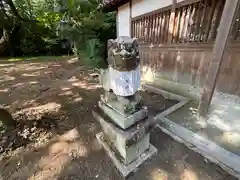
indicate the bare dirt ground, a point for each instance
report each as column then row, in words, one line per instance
column 55, row 135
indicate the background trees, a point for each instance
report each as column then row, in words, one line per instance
column 53, row 27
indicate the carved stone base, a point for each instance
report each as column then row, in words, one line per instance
column 127, row 144
column 125, row 170
column 123, row 120
column 124, row 105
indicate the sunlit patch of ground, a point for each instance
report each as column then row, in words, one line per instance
column 33, row 58
column 55, row 138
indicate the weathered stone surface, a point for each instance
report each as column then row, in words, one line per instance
column 123, row 121
column 123, row 53
column 123, row 118
column 132, row 134
column 127, row 154
column 123, row 105
column 128, row 143
column 125, row 170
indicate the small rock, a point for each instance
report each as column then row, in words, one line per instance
column 33, row 129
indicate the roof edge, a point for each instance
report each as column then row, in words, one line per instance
column 111, row 5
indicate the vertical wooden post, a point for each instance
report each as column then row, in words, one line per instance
column 171, row 22
column 154, row 34
column 197, row 24
column 226, row 23
column 209, row 21
column 158, row 28
column 117, row 24
column 130, row 19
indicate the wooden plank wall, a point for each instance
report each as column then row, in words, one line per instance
column 188, row 64
column 228, row 79
column 183, row 64
column 196, row 22
column 183, row 56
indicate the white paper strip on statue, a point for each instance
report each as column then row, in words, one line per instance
column 125, row 83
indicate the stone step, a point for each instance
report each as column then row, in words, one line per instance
column 123, row 122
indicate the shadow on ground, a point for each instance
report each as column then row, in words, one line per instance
column 67, row 148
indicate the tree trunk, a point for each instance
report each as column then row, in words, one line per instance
column 16, row 13
column 4, row 42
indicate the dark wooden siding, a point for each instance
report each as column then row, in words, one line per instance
column 188, row 64
column 196, row 22
column 184, row 55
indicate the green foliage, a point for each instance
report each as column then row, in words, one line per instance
column 88, row 28
column 91, row 53
column 54, row 26
column 38, row 37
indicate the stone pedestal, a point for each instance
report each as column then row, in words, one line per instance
column 124, row 120
column 127, row 148
column 126, row 170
